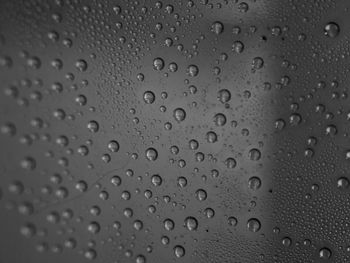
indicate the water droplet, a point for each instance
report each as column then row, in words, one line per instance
column 179, row 114
column 113, row 146
column 151, row 154
column 192, row 70
column 257, row 63
column 230, row 163
column 179, row 251
column 201, row 194
column 81, row 65
column 156, row 180
column 253, row 225
column 219, row 119
column 93, row 126
column 325, row 253
column 158, row 63
column 331, row 29
column 238, row 47
column 94, row 227
column 169, row 224
column 224, row 95
column 343, row 183
column 232, row 221
column 149, row 97
column 217, row 27
column 254, row 154
column 191, row 223
column 254, row 183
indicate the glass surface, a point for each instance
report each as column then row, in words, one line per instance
column 196, row 131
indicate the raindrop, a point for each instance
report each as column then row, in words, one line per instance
column 179, row 114
column 81, row 65
column 343, row 183
column 217, row 27
column 254, row 154
column 254, row 183
column 192, row 70
column 149, row 97
column 151, row 154
column 179, row 251
column 325, row 253
column 253, row 225
column 158, row 63
column 331, row 30
column 191, row 223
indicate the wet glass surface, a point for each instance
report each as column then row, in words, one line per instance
column 174, row 131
